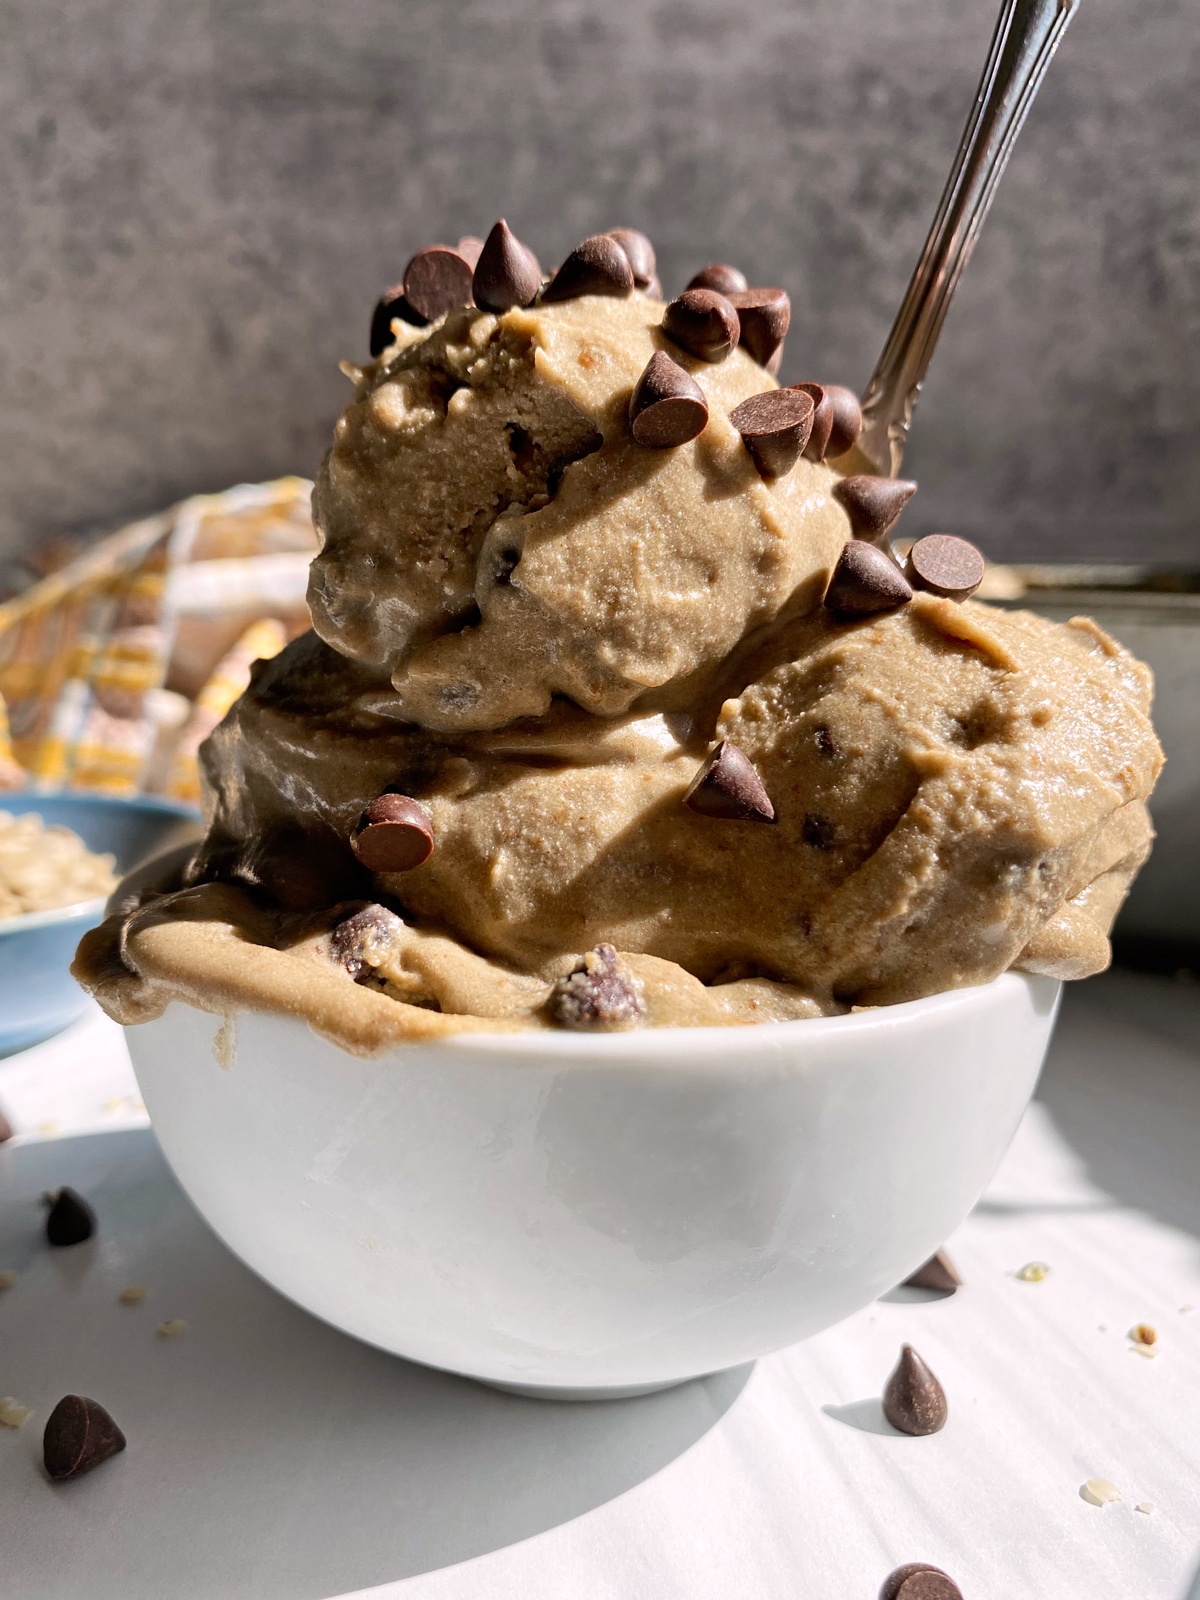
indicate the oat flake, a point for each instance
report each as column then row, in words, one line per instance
column 1099, row 1492
column 13, row 1413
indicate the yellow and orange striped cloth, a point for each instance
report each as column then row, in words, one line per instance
column 114, row 669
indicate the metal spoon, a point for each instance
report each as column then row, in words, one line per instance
column 1027, row 35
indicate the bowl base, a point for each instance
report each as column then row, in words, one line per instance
column 535, row 1391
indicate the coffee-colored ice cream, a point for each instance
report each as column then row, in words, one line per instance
column 493, row 535
column 643, row 768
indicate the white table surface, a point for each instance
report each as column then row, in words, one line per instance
column 272, row 1458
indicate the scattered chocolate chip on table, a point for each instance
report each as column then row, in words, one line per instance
column 79, row 1436
column 70, row 1219
column 913, row 1399
column 939, row 1272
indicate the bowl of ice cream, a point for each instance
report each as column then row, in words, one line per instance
column 628, row 926
column 594, row 1215
column 60, row 855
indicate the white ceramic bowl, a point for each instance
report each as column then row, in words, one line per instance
column 596, row 1215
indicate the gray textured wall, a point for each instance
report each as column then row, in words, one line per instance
column 201, row 199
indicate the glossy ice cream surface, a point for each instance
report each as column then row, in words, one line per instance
column 539, row 629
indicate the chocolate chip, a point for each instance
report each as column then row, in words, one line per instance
column 822, row 422
column 826, row 743
column 764, row 315
column 720, row 276
column 597, row 266
column 667, row 407
column 873, row 504
column 774, row 427
column 640, row 253
column 913, row 1400
column 728, row 786
column 507, row 273
column 818, row 831
column 936, row 1273
column 895, row 1584
column 70, row 1219
column 391, row 305
column 437, row 280
column 469, row 248
column 368, row 932
column 929, row 1584
column 703, row 323
column 393, row 834
column 847, row 419
column 837, row 420
column 597, row 996
column 652, row 290
column 945, row 565
column 79, row 1435
column 866, row 580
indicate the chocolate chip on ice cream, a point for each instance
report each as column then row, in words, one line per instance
column 945, row 565
column 640, row 252
column 597, row 266
column 774, row 427
column 847, row 419
column 470, row 248
column 837, row 420
column 79, row 1436
column 667, row 407
column 720, row 276
column 393, row 834
column 873, row 504
column 865, row 581
column 597, row 996
column 437, row 280
column 703, row 323
column 764, row 316
column 391, row 306
column 727, row 786
column 359, row 941
column 507, row 273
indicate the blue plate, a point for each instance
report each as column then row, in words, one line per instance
column 38, row 995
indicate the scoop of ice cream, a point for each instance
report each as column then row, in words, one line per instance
column 953, row 786
column 493, row 535
column 588, row 625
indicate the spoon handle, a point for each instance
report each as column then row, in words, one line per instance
column 1026, row 37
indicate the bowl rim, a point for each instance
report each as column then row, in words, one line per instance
column 710, row 1041
column 702, row 1047
column 30, row 798
column 27, row 921
column 636, row 1043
